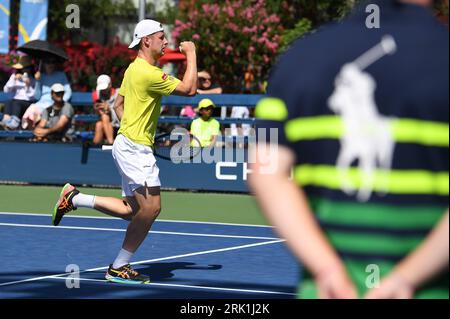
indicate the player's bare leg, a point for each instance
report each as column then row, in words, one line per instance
column 70, row 199
column 112, row 206
column 148, row 203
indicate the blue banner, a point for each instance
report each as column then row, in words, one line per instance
column 33, row 20
column 4, row 26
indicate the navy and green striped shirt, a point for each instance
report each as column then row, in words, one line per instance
column 368, row 122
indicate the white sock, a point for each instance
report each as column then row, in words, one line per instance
column 123, row 258
column 82, row 200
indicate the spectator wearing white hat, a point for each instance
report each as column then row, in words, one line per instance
column 56, row 119
column 52, row 73
column 104, row 98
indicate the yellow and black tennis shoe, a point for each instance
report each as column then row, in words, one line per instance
column 126, row 275
column 64, row 203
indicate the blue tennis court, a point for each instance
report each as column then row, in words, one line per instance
column 183, row 259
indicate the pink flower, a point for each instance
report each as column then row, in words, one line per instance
column 271, row 46
column 274, row 18
column 250, row 30
column 196, row 37
column 228, row 49
column 215, row 9
column 232, row 26
column 230, row 11
column 262, row 40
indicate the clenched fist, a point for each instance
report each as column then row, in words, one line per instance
column 187, row 47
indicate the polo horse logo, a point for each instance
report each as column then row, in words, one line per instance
column 367, row 136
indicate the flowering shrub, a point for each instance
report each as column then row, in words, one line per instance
column 232, row 37
column 87, row 61
column 6, row 63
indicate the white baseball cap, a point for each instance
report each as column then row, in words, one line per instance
column 103, row 82
column 57, row 87
column 144, row 28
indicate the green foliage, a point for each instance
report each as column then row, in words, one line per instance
column 237, row 37
column 301, row 28
column 232, row 37
column 442, row 8
column 93, row 14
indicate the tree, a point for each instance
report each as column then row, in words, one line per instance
column 235, row 37
column 94, row 14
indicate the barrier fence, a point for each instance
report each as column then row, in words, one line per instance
column 49, row 163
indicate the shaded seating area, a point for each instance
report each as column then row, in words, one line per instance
column 82, row 102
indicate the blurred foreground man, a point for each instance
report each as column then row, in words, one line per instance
column 364, row 125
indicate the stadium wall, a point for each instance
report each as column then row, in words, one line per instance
column 56, row 164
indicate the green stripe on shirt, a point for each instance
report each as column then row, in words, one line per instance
column 376, row 215
column 403, row 130
column 393, row 182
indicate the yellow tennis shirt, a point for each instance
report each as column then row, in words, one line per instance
column 205, row 130
column 142, row 88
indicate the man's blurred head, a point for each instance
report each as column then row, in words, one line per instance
column 104, row 86
column 204, row 80
column 57, row 93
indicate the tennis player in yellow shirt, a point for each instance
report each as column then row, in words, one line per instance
column 138, row 107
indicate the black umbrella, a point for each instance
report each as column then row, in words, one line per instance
column 43, row 50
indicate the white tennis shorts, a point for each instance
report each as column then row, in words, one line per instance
column 136, row 164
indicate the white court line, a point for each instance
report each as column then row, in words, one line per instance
column 158, row 220
column 188, row 286
column 149, row 261
column 124, row 230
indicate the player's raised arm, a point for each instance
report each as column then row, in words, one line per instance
column 188, row 86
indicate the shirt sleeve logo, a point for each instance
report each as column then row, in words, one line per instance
column 164, row 76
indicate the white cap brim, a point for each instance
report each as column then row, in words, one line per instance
column 102, row 86
column 134, row 43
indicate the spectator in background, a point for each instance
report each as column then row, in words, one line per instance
column 240, row 130
column 56, row 119
column 104, row 98
column 22, row 85
column 188, row 111
column 206, row 128
column 206, row 85
column 50, row 76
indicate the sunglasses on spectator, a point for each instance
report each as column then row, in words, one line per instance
column 204, row 79
column 58, row 93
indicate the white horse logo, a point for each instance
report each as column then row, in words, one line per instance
column 367, row 135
